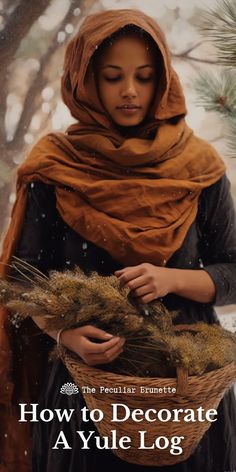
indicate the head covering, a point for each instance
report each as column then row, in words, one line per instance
column 80, row 95
column 137, row 196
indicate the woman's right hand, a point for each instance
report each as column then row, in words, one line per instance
column 79, row 341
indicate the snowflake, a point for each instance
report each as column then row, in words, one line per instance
column 69, row 388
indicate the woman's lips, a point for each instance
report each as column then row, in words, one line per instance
column 129, row 109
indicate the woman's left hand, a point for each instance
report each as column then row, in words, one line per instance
column 148, row 282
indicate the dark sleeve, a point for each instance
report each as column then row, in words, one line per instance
column 41, row 234
column 218, row 242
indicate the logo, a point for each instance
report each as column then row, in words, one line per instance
column 69, row 388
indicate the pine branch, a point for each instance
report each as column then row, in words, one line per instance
column 194, row 59
column 216, row 92
column 220, row 26
column 186, row 55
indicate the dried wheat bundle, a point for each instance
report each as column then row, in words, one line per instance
column 153, row 348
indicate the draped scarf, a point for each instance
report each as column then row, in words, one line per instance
column 135, row 196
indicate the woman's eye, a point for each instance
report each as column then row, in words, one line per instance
column 145, row 79
column 140, row 79
column 112, row 79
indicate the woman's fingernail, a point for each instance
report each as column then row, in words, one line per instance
column 108, row 336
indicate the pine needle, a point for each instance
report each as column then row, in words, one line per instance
column 219, row 26
column 217, row 92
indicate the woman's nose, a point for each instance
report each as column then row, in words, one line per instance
column 129, row 90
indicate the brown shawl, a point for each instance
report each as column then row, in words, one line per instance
column 136, row 197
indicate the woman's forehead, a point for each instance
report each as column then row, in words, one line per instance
column 134, row 48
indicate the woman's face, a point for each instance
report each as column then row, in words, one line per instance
column 126, row 78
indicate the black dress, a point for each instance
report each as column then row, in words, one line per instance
column 49, row 243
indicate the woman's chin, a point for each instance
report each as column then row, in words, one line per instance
column 128, row 122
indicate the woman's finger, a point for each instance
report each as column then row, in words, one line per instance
column 98, row 348
column 93, row 332
column 111, row 349
column 104, row 359
column 114, row 355
column 136, row 283
column 128, row 277
column 129, row 273
column 139, row 292
column 119, row 272
column 148, row 298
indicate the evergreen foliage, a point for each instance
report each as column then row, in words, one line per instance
column 217, row 90
column 219, row 25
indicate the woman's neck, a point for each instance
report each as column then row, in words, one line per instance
column 144, row 130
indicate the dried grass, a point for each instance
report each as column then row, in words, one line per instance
column 152, row 349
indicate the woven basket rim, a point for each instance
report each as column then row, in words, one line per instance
column 121, row 377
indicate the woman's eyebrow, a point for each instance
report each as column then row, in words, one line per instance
column 118, row 67
column 146, row 65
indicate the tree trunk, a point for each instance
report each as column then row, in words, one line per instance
column 16, row 147
column 18, row 25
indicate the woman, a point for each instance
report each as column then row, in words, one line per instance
column 127, row 190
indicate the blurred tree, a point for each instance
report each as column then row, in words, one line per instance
column 18, row 20
column 21, row 32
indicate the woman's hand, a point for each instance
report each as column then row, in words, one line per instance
column 147, row 282
column 79, row 341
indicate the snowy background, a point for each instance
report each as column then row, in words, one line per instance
column 33, row 43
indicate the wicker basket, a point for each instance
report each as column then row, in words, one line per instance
column 192, row 392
